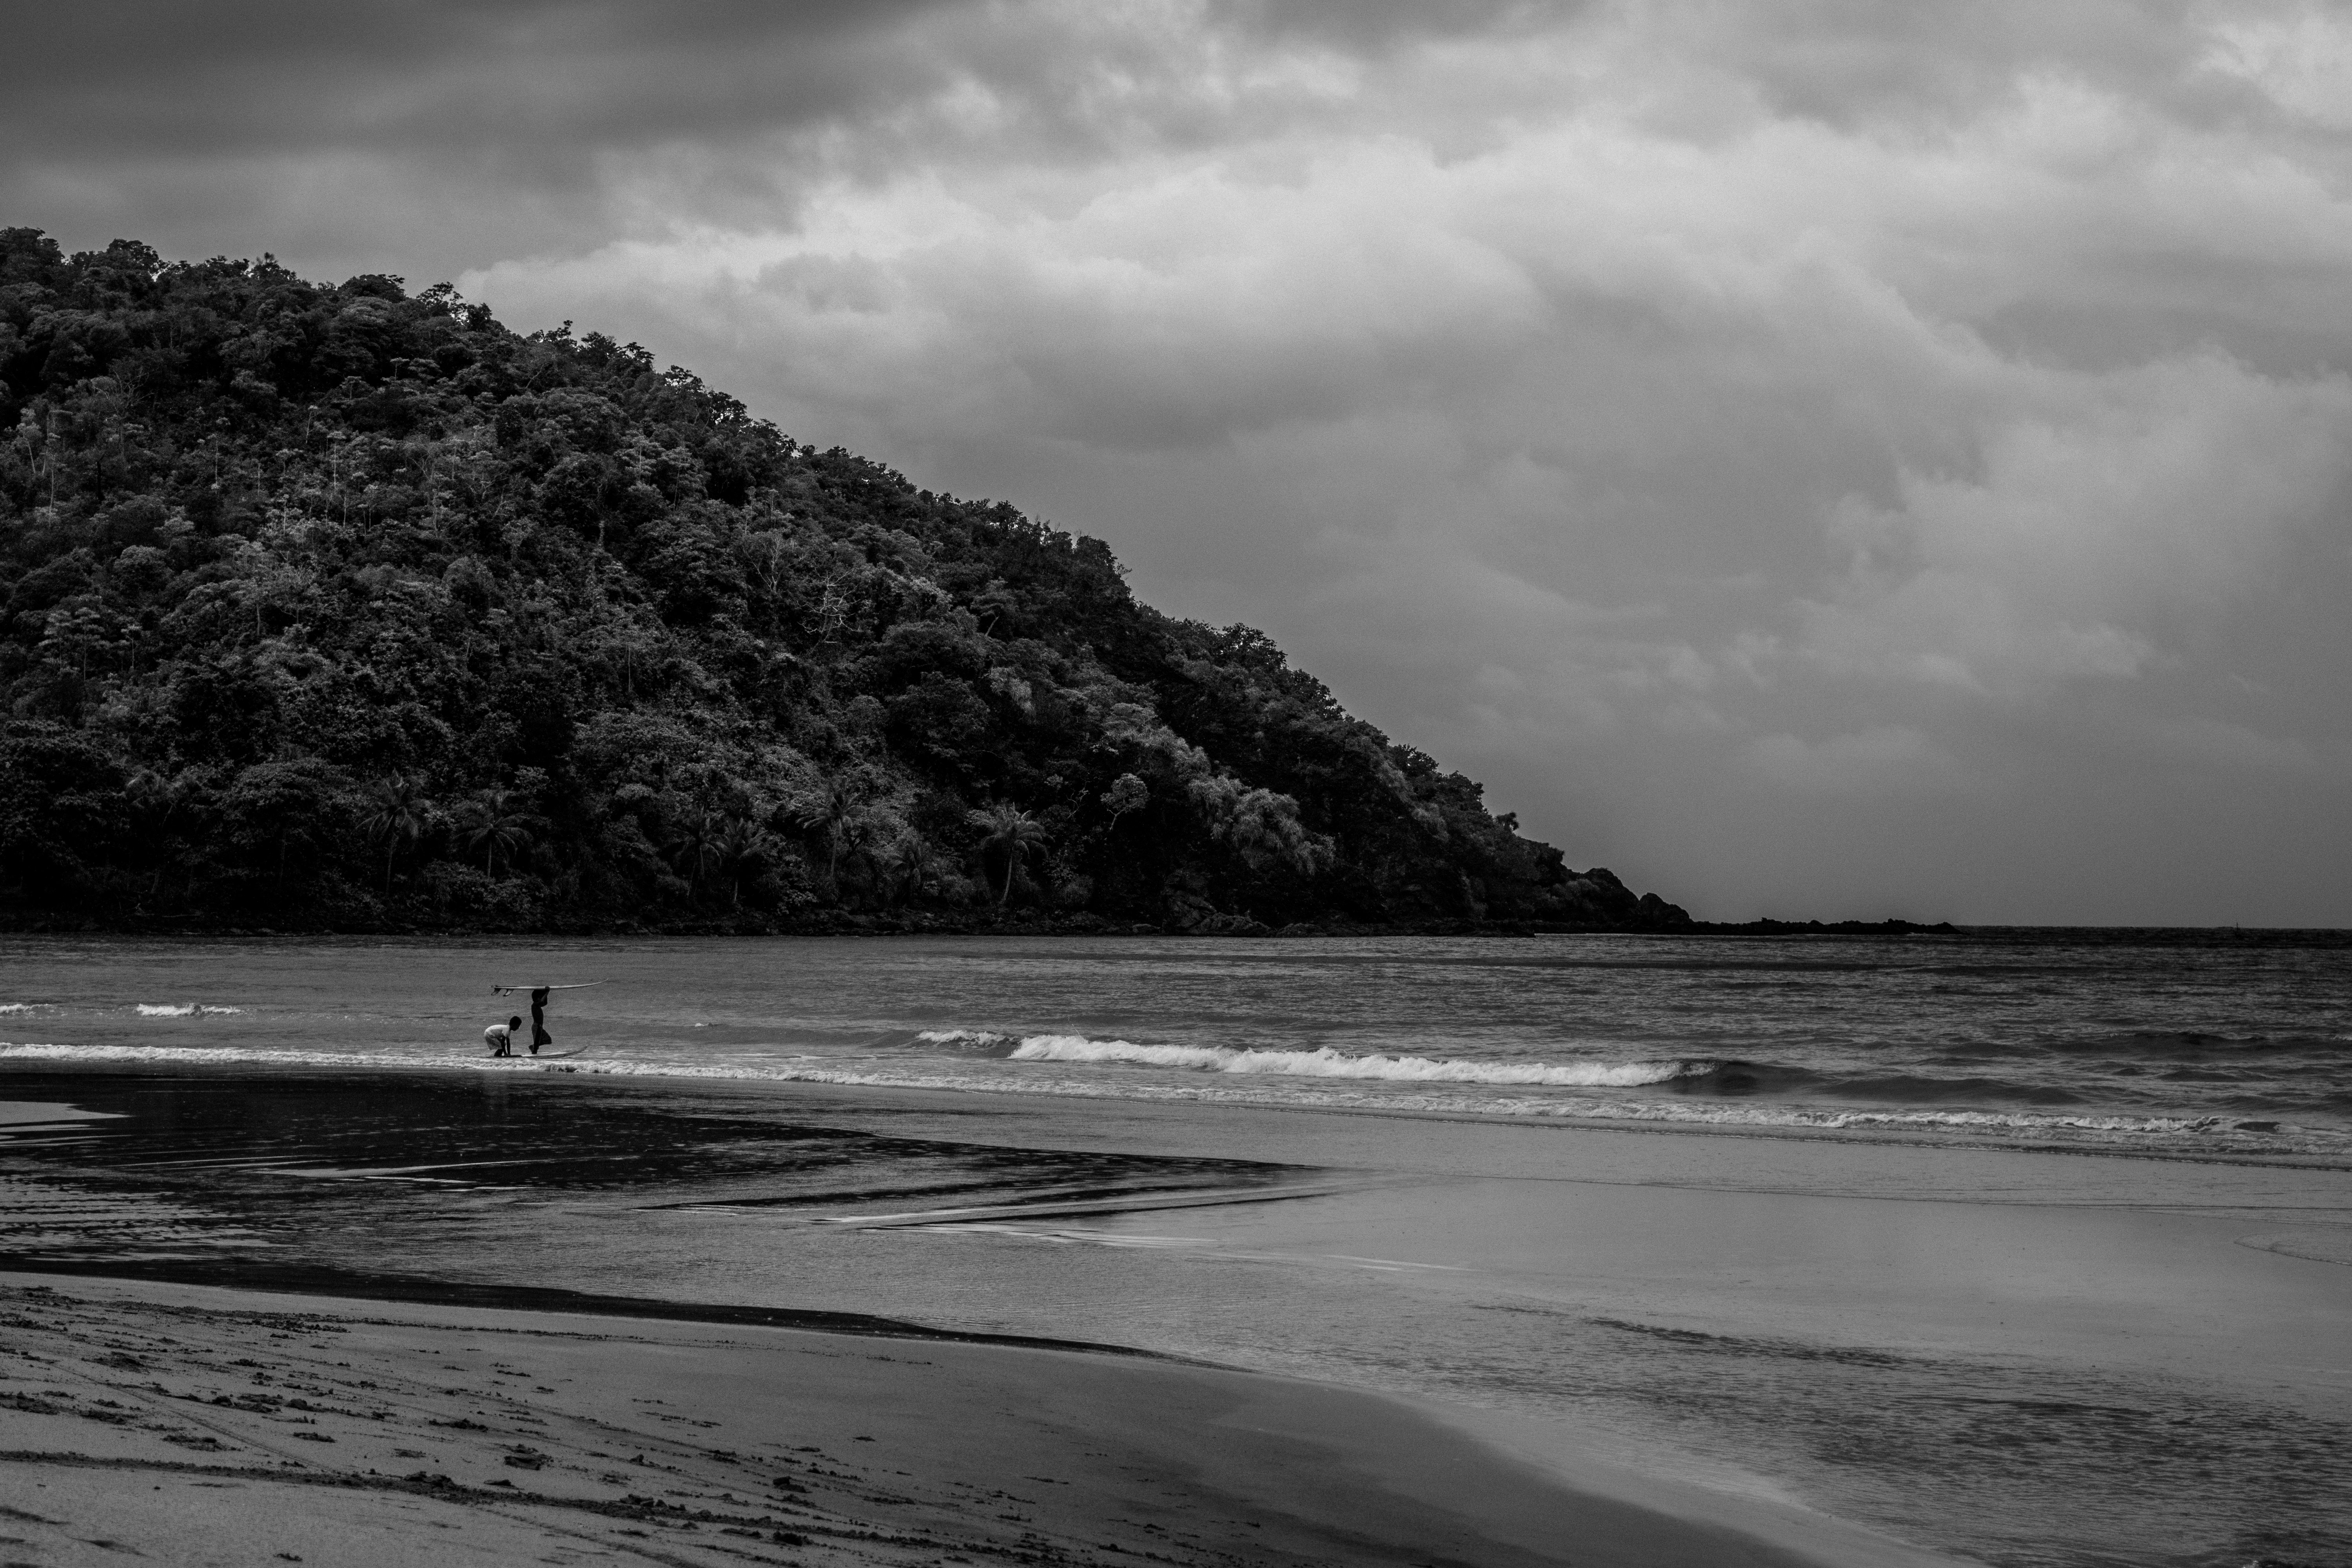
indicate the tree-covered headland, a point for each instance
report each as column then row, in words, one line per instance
column 343, row 607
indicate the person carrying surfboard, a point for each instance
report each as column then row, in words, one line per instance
column 538, row 998
column 501, row 1037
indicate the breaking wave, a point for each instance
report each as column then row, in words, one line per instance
column 1328, row 1063
column 181, row 1009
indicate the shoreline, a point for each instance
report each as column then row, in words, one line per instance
column 127, row 1401
column 575, row 1069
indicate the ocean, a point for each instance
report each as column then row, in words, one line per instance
column 2032, row 1249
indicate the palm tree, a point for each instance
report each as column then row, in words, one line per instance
column 1009, row 831
column 399, row 812
column 831, row 816
column 740, row 845
column 908, row 857
column 493, row 822
column 155, row 799
column 696, row 842
column 870, row 829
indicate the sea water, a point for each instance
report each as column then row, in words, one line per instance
column 2215, row 1046
column 2031, row 1249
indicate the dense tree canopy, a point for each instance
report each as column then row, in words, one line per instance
column 349, row 607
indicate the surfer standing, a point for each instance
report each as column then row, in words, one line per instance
column 501, row 1038
column 538, row 1035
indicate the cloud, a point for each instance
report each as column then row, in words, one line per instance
column 2099, row 504
column 1889, row 757
column 2204, row 740
column 344, row 135
column 274, row 77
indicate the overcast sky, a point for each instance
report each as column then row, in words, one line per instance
column 1818, row 457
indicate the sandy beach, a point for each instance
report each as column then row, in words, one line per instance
column 202, row 1426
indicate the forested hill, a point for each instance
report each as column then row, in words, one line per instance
column 348, row 608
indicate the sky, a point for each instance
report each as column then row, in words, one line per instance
column 1819, row 458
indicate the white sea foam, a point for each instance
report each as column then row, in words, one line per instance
column 1080, row 1049
column 17, row 1006
column 963, row 1038
column 1752, row 1115
column 181, row 1009
column 1328, row 1063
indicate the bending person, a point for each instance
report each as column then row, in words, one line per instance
column 501, row 1037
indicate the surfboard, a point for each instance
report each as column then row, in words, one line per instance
column 575, row 986
column 556, row 1055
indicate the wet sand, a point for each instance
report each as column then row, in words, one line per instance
column 199, row 1426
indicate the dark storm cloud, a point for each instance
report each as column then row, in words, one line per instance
column 169, row 80
column 334, row 134
column 433, row 137
column 567, row 77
